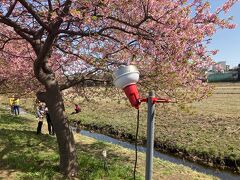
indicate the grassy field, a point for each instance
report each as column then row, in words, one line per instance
column 225, row 101
column 209, row 132
column 25, row 155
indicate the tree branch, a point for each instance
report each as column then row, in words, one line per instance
column 34, row 14
column 23, row 32
column 100, row 32
column 9, row 22
column 75, row 82
column 70, row 83
column 66, row 8
column 11, row 8
column 50, row 5
column 8, row 40
column 41, row 96
column 41, row 69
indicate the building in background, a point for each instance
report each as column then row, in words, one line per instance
column 220, row 66
column 221, row 72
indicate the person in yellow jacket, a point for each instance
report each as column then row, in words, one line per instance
column 16, row 103
column 11, row 99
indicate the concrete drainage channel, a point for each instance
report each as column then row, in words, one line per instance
column 222, row 174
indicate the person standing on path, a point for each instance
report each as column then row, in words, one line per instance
column 40, row 115
column 11, row 99
column 50, row 124
column 16, row 103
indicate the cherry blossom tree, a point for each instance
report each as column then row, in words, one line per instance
column 48, row 46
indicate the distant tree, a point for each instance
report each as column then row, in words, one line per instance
column 47, row 46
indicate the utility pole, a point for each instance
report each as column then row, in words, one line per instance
column 150, row 136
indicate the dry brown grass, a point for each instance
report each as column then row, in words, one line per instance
column 225, row 101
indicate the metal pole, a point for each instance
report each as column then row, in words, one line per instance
column 150, row 136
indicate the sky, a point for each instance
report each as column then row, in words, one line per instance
column 227, row 41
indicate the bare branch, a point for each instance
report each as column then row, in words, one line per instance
column 83, row 80
column 66, row 8
column 8, row 40
column 50, row 5
column 50, row 10
column 34, row 14
column 11, row 8
column 41, row 69
column 9, row 22
column 100, row 32
column 70, row 83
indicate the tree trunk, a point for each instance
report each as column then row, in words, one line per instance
column 65, row 139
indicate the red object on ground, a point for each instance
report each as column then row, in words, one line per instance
column 131, row 92
column 77, row 108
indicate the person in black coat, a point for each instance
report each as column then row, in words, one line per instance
column 49, row 122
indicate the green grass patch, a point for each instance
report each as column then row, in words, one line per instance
column 26, row 155
column 36, row 156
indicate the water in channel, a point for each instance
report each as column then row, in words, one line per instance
column 222, row 174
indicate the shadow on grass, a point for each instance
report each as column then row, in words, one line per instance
column 36, row 156
column 24, row 151
column 93, row 165
column 6, row 118
column 96, row 149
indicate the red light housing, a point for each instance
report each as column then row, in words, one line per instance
column 131, row 92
